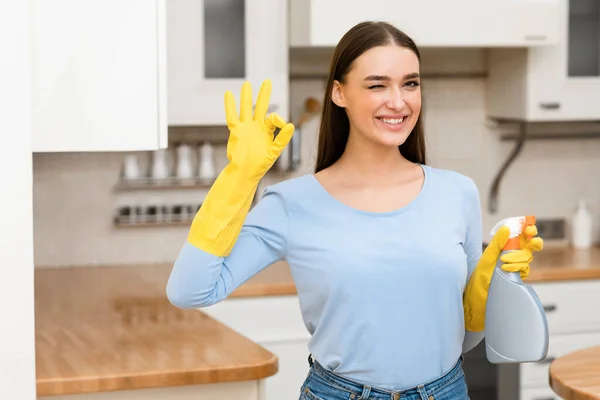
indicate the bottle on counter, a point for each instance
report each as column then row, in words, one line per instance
column 581, row 227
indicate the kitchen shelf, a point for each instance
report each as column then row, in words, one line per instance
column 151, row 224
column 155, row 216
column 167, row 183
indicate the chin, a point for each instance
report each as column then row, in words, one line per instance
column 393, row 135
column 392, row 139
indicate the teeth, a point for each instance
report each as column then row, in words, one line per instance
column 392, row 121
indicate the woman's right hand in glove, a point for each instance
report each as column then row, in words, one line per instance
column 251, row 146
column 252, row 149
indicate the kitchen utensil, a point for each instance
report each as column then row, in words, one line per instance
column 206, row 164
column 184, row 162
column 160, row 164
column 131, row 167
column 290, row 157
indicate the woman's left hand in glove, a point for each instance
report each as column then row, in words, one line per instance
column 476, row 291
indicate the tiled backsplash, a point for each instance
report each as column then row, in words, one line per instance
column 74, row 200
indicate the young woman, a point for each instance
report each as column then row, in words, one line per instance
column 384, row 250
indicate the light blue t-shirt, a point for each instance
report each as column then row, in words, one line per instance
column 380, row 293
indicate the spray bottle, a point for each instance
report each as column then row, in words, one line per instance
column 516, row 329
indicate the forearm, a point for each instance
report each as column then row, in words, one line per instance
column 219, row 221
column 475, row 299
column 200, row 279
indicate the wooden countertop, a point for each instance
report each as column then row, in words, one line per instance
column 275, row 280
column 576, row 376
column 109, row 328
column 112, row 328
column 551, row 264
column 564, row 264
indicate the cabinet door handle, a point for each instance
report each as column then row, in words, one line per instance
column 550, row 106
column 550, row 307
column 535, row 37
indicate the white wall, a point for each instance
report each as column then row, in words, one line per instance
column 74, row 199
column 17, row 346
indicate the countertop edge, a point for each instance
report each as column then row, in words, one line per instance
column 207, row 375
column 574, row 275
column 538, row 277
column 265, row 290
column 562, row 387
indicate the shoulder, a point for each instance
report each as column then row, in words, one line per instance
column 277, row 201
column 453, row 181
column 292, row 189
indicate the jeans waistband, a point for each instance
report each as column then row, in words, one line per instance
column 358, row 387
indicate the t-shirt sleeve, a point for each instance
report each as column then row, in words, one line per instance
column 199, row 279
column 474, row 231
column 473, row 249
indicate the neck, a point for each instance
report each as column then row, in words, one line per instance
column 366, row 161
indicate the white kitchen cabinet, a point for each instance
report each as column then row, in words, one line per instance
column 17, row 306
column 293, row 369
column 214, row 46
column 538, row 394
column 245, row 390
column 574, row 324
column 431, row 23
column 274, row 322
column 556, row 83
column 98, row 75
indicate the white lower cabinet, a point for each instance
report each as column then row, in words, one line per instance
column 574, row 324
column 536, row 374
column 293, row 368
column 538, row 394
column 274, row 322
column 248, row 390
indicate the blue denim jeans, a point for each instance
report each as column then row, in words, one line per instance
column 321, row 384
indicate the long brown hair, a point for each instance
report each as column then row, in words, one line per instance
column 335, row 127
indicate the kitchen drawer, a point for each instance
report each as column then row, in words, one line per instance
column 265, row 319
column 536, row 374
column 538, row 394
column 571, row 307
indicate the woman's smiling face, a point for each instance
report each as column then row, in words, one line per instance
column 381, row 94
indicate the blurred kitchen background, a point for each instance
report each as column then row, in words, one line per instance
column 511, row 99
column 77, row 195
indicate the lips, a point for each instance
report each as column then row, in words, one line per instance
column 393, row 122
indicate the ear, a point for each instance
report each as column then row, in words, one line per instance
column 337, row 95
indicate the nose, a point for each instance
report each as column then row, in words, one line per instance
column 395, row 101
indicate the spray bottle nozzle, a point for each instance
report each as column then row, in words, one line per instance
column 517, row 226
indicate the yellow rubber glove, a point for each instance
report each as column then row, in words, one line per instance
column 252, row 150
column 476, row 291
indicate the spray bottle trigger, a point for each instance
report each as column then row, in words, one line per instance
column 517, row 226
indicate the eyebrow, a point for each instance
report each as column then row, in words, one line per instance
column 412, row 75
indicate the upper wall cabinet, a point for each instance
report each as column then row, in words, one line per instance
column 431, row 23
column 98, row 75
column 214, row 46
column 558, row 83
